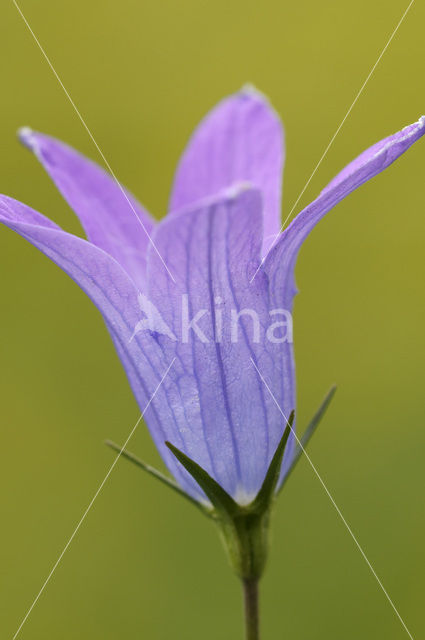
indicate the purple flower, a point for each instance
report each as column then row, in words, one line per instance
column 198, row 268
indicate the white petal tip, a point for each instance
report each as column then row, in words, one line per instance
column 26, row 136
column 415, row 126
column 250, row 91
column 235, row 190
column 413, row 131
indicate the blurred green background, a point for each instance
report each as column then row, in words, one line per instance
column 144, row 564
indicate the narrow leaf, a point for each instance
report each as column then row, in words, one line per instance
column 308, row 433
column 266, row 493
column 220, row 499
column 157, row 474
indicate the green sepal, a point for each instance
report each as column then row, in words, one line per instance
column 158, row 475
column 243, row 528
column 266, row 494
column 308, row 433
column 220, row 499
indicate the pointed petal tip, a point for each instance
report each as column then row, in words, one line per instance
column 399, row 142
column 417, row 127
column 243, row 190
column 230, row 193
column 27, row 137
column 24, row 133
column 421, row 124
column 249, row 90
column 235, row 190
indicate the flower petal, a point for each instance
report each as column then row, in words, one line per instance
column 230, row 424
column 240, row 140
column 116, row 296
column 280, row 262
column 111, row 217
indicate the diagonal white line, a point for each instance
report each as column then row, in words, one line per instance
column 46, row 582
column 331, row 498
column 83, row 122
column 332, row 140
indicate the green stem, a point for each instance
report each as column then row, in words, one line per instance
column 250, row 591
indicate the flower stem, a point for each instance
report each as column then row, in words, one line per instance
column 250, row 591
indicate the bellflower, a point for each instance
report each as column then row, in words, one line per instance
column 166, row 290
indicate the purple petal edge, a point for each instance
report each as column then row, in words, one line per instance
column 280, row 262
column 111, row 290
column 240, row 140
column 233, row 425
column 111, row 217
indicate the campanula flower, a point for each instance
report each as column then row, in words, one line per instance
column 210, row 288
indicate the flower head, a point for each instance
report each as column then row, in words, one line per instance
column 209, row 288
